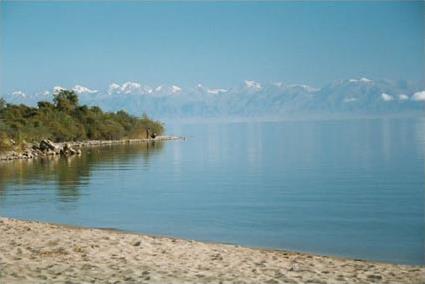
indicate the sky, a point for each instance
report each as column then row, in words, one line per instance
column 45, row 44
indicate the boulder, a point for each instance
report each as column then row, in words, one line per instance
column 67, row 150
column 46, row 145
column 27, row 154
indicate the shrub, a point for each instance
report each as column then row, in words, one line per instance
column 66, row 120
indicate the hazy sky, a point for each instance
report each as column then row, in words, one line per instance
column 215, row 43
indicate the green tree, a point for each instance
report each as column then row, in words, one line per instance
column 2, row 104
column 66, row 100
column 66, row 120
column 45, row 105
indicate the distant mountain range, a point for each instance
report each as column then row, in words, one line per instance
column 250, row 99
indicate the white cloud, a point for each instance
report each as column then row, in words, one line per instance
column 83, row 90
column 130, row 87
column 148, row 89
column 278, row 84
column 77, row 89
column 19, row 94
column 162, row 90
column 363, row 80
column 216, row 91
column 175, row 89
column 252, row 85
column 419, row 96
column 57, row 89
column 386, row 97
column 350, row 100
column 201, row 88
column 403, row 97
column 126, row 88
column 113, row 88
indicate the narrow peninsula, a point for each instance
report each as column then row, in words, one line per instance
column 65, row 126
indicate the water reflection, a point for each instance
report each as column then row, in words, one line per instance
column 71, row 173
column 356, row 186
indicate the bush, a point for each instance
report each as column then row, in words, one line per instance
column 66, row 120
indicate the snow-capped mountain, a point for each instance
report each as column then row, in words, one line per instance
column 248, row 99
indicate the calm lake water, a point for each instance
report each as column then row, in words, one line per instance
column 348, row 188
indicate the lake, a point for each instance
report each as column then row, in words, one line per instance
column 352, row 188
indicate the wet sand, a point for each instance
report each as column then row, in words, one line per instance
column 34, row 252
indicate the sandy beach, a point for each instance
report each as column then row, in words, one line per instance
column 34, row 252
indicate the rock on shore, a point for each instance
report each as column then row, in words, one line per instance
column 33, row 252
column 48, row 148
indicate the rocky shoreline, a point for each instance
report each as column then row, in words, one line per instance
column 47, row 148
column 35, row 252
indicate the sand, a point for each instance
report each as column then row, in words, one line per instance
column 34, row 252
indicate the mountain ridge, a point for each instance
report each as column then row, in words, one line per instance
column 248, row 99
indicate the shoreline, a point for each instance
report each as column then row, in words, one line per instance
column 269, row 249
column 33, row 251
column 72, row 147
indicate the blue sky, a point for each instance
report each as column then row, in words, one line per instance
column 215, row 43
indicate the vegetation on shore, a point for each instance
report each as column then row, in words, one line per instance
column 66, row 120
